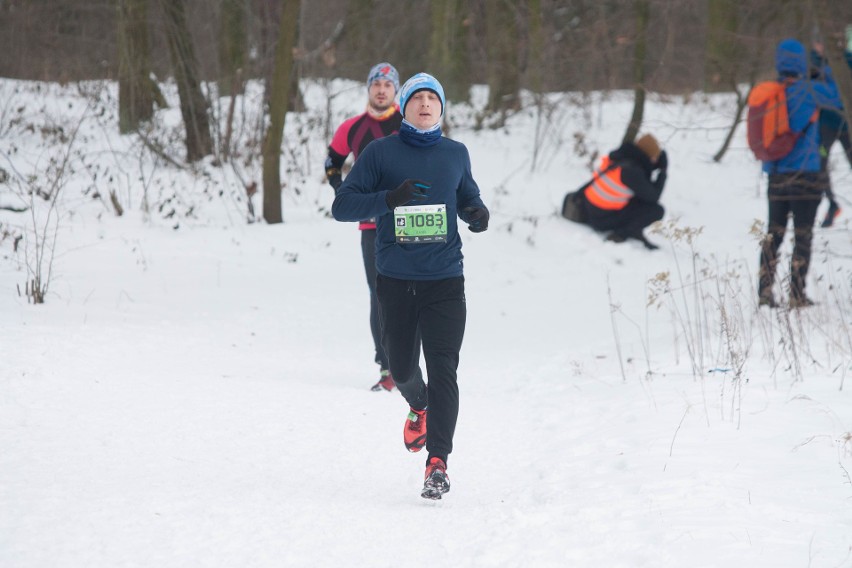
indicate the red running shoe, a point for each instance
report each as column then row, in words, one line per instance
column 414, row 432
column 437, row 482
column 832, row 214
column 385, row 383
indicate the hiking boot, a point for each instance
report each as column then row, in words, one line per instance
column 437, row 482
column 648, row 244
column 385, row 383
column 800, row 302
column 767, row 300
column 832, row 214
column 414, row 432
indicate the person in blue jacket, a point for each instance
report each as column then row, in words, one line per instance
column 832, row 125
column 796, row 184
column 417, row 184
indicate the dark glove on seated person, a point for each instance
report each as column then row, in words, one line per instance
column 407, row 190
column 476, row 218
column 663, row 161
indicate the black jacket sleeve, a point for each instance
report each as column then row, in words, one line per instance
column 333, row 164
column 636, row 178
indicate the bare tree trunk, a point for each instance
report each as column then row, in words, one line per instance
column 448, row 48
column 232, row 47
column 722, row 56
column 193, row 105
column 501, row 31
column 742, row 100
column 833, row 31
column 643, row 14
column 135, row 96
column 530, row 63
column 278, row 95
column 754, row 64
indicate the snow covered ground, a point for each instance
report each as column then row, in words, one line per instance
column 195, row 389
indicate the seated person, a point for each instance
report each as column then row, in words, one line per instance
column 622, row 197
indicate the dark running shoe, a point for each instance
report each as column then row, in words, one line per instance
column 800, row 302
column 414, row 432
column 437, row 482
column 767, row 299
column 648, row 244
column 832, row 214
column 385, row 383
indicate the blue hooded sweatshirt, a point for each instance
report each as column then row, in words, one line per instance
column 383, row 166
column 804, row 99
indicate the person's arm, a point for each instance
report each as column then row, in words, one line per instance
column 333, row 164
column 338, row 151
column 827, row 96
column 358, row 196
column 467, row 193
column 662, row 167
column 469, row 205
column 643, row 188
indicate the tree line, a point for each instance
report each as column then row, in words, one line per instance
column 667, row 46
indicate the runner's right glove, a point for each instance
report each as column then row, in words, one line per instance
column 407, row 190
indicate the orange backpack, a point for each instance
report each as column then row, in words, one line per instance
column 767, row 123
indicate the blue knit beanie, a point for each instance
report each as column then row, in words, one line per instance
column 384, row 71
column 420, row 82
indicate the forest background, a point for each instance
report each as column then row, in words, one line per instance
column 210, row 51
column 168, row 401
column 664, row 46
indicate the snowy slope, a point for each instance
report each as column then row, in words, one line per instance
column 199, row 396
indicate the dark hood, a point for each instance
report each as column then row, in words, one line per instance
column 630, row 152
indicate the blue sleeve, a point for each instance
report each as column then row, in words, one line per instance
column 826, row 95
column 827, row 73
column 804, row 98
column 358, row 197
column 467, row 194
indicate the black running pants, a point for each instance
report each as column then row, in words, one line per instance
column 368, row 253
column 435, row 308
column 796, row 196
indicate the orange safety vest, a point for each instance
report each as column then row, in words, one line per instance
column 607, row 191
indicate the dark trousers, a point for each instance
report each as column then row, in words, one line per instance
column 368, row 253
column 797, row 196
column 628, row 222
column 829, row 134
column 431, row 312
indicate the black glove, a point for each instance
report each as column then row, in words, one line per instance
column 407, row 190
column 333, row 163
column 660, row 182
column 334, row 178
column 663, row 161
column 476, row 218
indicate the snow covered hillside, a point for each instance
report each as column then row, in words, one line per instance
column 195, row 389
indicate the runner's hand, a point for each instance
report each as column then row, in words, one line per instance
column 408, row 190
column 476, row 218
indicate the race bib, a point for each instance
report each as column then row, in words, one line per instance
column 421, row 224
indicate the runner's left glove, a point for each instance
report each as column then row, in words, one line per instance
column 476, row 218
